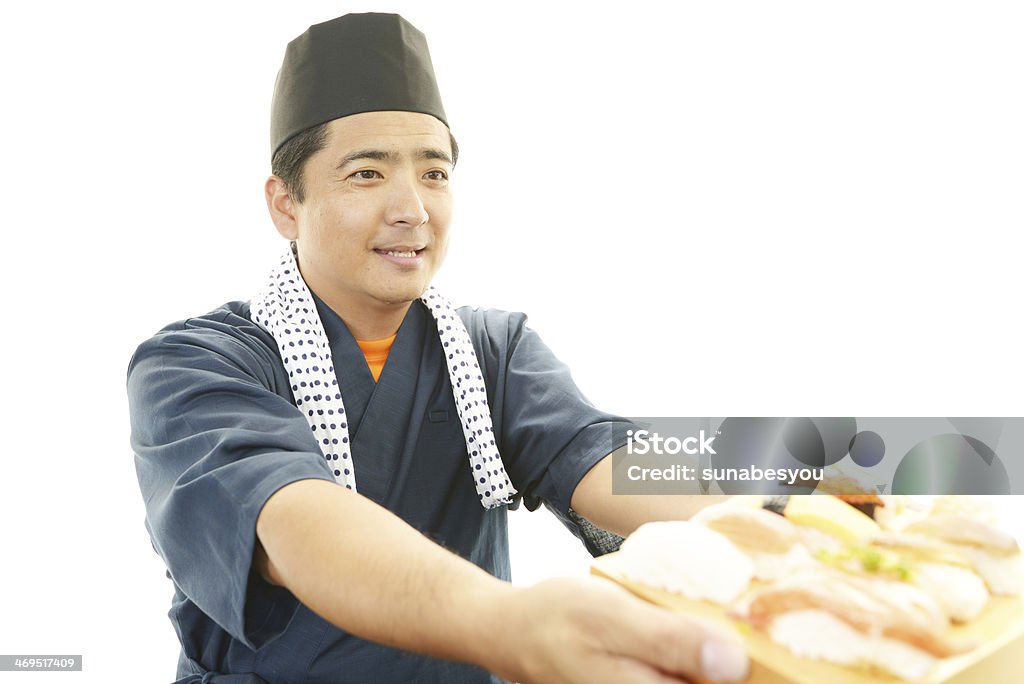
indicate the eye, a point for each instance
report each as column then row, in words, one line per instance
column 366, row 174
column 436, row 175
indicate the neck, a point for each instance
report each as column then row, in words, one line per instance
column 368, row 320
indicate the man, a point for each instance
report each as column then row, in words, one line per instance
column 327, row 468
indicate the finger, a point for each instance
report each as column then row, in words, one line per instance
column 676, row 643
column 623, row 670
column 634, row 671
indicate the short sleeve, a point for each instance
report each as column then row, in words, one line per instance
column 551, row 435
column 212, row 442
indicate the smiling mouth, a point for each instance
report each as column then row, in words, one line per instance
column 404, row 253
column 404, row 257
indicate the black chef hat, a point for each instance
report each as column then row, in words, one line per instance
column 352, row 64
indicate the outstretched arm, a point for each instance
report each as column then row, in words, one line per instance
column 365, row 570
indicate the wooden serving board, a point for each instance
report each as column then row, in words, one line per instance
column 998, row 659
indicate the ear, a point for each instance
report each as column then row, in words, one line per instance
column 281, row 208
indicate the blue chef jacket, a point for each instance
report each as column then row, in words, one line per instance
column 215, row 433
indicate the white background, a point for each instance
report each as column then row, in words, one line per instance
column 734, row 208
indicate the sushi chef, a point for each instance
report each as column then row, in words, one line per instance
column 327, row 467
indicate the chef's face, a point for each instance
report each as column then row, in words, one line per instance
column 373, row 227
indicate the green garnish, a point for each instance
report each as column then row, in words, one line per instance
column 869, row 559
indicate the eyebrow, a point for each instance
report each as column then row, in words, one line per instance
column 433, row 153
column 385, row 155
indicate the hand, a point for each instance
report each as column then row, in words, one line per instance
column 591, row 631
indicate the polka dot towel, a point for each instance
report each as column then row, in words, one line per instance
column 286, row 310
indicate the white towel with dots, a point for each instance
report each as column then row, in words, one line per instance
column 287, row 311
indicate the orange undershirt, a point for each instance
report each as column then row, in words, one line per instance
column 376, row 353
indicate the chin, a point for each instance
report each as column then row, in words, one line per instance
column 403, row 296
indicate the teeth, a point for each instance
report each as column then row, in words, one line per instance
column 400, row 254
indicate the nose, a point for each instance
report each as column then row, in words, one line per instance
column 405, row 205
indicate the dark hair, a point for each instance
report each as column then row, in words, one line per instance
column 290, row 159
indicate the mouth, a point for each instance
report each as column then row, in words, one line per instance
column 402, row 255
column 405, row 253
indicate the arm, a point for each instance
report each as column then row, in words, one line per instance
column 366, row 571
column 623, row 513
